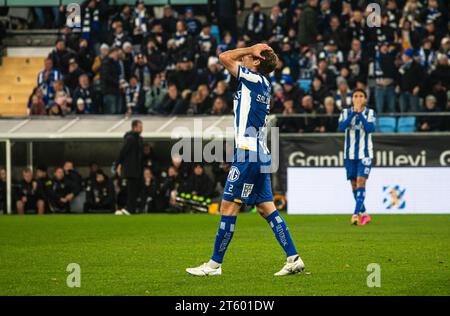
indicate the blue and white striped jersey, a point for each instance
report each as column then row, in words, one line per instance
column 358, row 128
column 251, row 109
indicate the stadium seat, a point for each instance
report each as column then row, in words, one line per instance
column 18, row 80
column 387, row 125
column 215, row 32
column 406, row 124
column 305, row 84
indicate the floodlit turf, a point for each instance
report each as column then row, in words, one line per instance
column 148, row 254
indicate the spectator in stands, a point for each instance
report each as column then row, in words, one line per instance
column 329, row 124
column 308, row 124
column 430, row 123
column 207, row 45
column 85, row 55
column 356, row 61
column 336, row 37
column 169, row 21
column 412, row 77
column 44, row 187
column 134, row 97
column 222, row 91
column 255, row 25
column 181, row 44
column 84, row 94
column 46, row 78
column 278, row 99
column 128, row 58
column 96, row 66
column 213, row 74
column 199, row 183
column 442, row 72
column 184, row 76
column 333, row 56
column 62, row 97
column 156, row 94
column 72, row 77
column 385, row 74
column 307, row 26
column 276, row 24
column 60, row 56
column 343, row 94
column 27, row 194
column 193, row 25
column 148, row 197
column 156, row 57
column 172, row 102
column 72, row 176
column 118, row 37
column 100, row 194
column 327, row 76
column 219, row 107
column 288, row 125
column 2, row 190
column 125, row 16
column 110, row 82
column 94, row 16
column 37, row 106
column 62, row 193
column 290, row 90
column 318, row 91
column 427, row 56
column 142, row 72
column 140, row 19
column 226, row 13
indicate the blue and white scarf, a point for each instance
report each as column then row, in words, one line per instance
column 427, row 61
column 140, row 22
column 259, row 27
column 91, row 22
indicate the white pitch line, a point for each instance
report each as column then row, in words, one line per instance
column 66, row 127
column 116, row 125
column 15, row 128
column 166, row 124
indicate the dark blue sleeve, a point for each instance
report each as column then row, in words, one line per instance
column 369, row 126
column 343, row 124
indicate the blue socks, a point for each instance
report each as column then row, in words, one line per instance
column 360, row 196
column 223, row 237
column 282, row 234
column 363, row 209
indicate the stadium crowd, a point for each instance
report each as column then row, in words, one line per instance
column 65, row 190
column 125, row 60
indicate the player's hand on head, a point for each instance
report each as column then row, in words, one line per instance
column 259, row 48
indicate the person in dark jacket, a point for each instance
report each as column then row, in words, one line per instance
column 307, row 26
column 26, row 194
column 149, row 193
column 226, row 12
column 62, row 193
column 45, row 185
column 385, row 74
column 100, row 194
column 199, row 184
column 130, row 164
column 73, row 176
column 110, row 82
column 412, row 76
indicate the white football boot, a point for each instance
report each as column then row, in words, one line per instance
column 205, row 270
column 125, row 212
column 293, row 265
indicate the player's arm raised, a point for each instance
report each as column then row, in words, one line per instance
column 344, row 120
column 231, row 59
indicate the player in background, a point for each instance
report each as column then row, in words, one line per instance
column 358, row 123
column 248, row 180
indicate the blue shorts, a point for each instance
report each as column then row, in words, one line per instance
column 248, row 182
column 358, row 168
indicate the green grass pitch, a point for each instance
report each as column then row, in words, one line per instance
column 148, row 254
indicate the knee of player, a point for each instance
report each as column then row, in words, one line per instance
column 361, row 182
